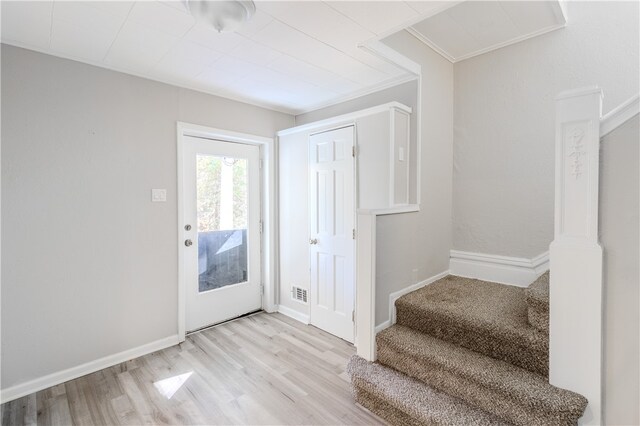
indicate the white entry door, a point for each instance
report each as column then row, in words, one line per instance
column 332, row 244
column 221, row 230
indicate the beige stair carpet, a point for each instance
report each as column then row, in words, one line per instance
column 402, row 400
column 485, row 317
column 537, row 296
column 512, row 393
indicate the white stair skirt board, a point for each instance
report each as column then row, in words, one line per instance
column 53, row 379
column 292, row 313
column 619, row 115
column 515, row 271
column 398, row 294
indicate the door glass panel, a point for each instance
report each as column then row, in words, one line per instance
column 222, row 221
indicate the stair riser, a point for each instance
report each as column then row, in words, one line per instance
column 490, row 400
column 409, row 401
column 530, row 358
column 381, row 408
column 538, row 319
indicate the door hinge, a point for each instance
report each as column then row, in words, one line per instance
column 354, row 234
column 353, row 316
column 261, row 163
column 262, row 289
column 261, row 227
column 353, row 151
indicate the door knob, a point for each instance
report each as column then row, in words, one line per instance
column 313, row 241
column 188, row 243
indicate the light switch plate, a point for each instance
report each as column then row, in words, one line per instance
column 158, row 195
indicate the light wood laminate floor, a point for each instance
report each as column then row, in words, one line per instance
column 262, row 369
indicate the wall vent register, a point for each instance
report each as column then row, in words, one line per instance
column 299, row 294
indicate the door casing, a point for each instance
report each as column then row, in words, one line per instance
column 268, row 211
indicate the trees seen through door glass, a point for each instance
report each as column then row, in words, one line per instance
column 222, row 221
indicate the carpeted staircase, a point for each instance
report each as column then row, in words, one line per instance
column 466, row 352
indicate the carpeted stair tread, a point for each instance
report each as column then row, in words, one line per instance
column 537, row 294
column 486, row 317
column 537, row 297
column 512, row 393
column 402, row 400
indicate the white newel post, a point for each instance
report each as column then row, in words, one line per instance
column 575, row 336
column 365, row 340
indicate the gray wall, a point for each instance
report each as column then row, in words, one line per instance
column 421, row 241
column 89, row 265
column 414, row 241
column 503, row 180
column 619, row 235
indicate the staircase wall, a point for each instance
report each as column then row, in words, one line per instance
column 619, row 235
column 503, row 179
column 414, row 247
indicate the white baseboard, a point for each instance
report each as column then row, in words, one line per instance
column 398, row 294
column 515, row 271
column 292, row 313
column 35, row 385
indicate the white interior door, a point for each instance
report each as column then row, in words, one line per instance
column 332, row 244
column 221, row 232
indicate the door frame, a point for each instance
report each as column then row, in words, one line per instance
column 268, row 212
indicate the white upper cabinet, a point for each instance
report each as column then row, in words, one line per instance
column 386, row 167
column 383, row 158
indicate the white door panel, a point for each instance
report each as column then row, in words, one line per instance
column 221, row 230
column 332, row 218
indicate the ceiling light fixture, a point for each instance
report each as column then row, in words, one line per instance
column 223, row 15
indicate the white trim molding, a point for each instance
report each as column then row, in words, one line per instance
column 292, row 313
column 365, row 339
column 575, row 290
column 517, row 271
column 392, row 56
column 414, row 20
column 398, row 294
column 268, row 209
column 344, row 119
column 386, row 84
column 620, row 115
column 53, row 379
column 221, row 93
column 409, row 208
column 418, row 35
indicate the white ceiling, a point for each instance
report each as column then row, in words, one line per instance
column 475, row 27
column 291, row 56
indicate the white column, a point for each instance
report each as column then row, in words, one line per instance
column 365, row 340
column 575, row 337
